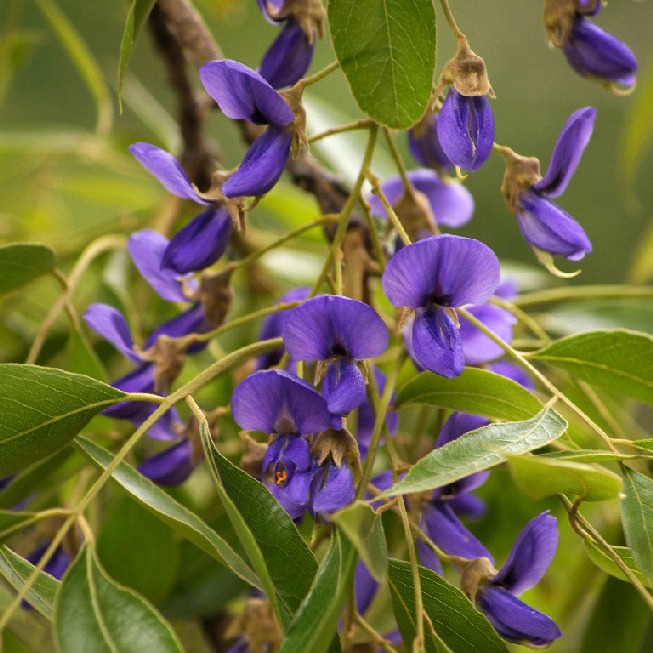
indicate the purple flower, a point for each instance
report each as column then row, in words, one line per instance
column 278, row 403
column 466, row 129
column 479, row 348
column 425, row 146
column 288, row 58
column 529, row 559
column 242, row 94
column 332, row 487
column 170, row 467
column 451, row 203
column 544, row 224
column 593, row 53
column 440, row 516
column 340, row 332
column 272, row 327
column 513, row 372
column 433, row 277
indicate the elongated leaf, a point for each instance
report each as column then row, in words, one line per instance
column 11, row 522
column 363, row 528
column 314, row 625
column 83, row 59
column 136, row 16
column 387, row 52
column 637, row 518
column 16, row 570
column 541, row 477
column 23, row 262
column 43, row 409
column 591, row 456
column 644, row 444
column 461, row 627
column 602, row 561
column 257, row 530
column 475, row 391
column 94, row 613
column 621, row 361
column 479, row 450
column 179, row 518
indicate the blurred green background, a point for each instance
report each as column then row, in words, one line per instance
column 63, row 184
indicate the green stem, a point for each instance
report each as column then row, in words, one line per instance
column 394, row 218
column 577, row 293
column 376, row 243
column 530, row 323
column 399, row 162
column 320, row 74
column 361, row 123
column 521, row 360
column 451, row 20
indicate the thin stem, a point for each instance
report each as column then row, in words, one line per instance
column 451, row 20
column 376, row 243
column 399, row 162
column 230, row 360
column 376, row 188
column 94, row 249
column 375, row 635
column 530, row 323
column 320, row 74
column 590, row 534
column 145, row 396
column 248, row 260
column 361, row 123
column 606, row 291
column 519, row 358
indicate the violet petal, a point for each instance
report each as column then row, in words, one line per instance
column 427, row 557
column 436, row 342
column 242, row 94
column 364, row 587
column 331, row 325
column 262, row 165
column 109, row 323
column 200, row 243
column 466, row 129
column 569, row 148
column 146, row 248
column 530, row 556
column 513, row 372
column 170, row 467
column 190, row 321
column 344, row 387
column 267, row 398
column 448, row 270
column 166, row 169
column 425, row 146
column 478, row 347
column 288, row 58
column 546, row 226
column 514, row 620
column 337, row 490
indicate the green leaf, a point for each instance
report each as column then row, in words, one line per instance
column 314, row 625
column 266, row 531
column 16, row 570
column 606, row 564
column 161, row 504
column 390, row 70
column 475, row 391
column 23, row 262
column 150, row 568
column 591, row 456
column 363, row 528
column 94, row 613
column 479, row 450
column 637, row 518
column 11, row 522
column 138, row 12
column 460, row 626
column 540, row 477
column 620, row 361
column 646, row 444
column 43, row 409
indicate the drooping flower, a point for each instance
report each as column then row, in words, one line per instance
column 433, row 277
column 528, row 561
column 425, row 146
column 451, row 203
column 286, row 408
column 170, row 467
column 466, row 129
column 594, row 53
column 544, row 224
column 337, row 332
column 332, row 487
column 243, row 94
column 440, row 514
